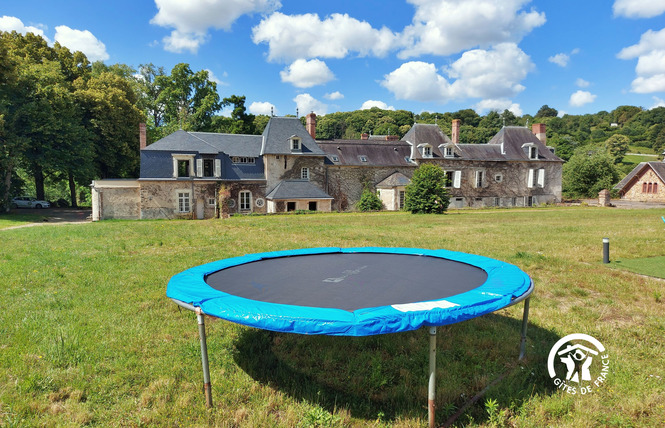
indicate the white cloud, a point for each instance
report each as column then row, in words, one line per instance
column 307, row 103
column 657, row 102
column 417, row 81
column 498, row 105
column 265, row 108
column 307, row 36
column 650, row 69
column 580, row 98
column 372, row 103
column 560, row 59
column 213, row 78
column 191, row 19
column 638, row 8
column 84, row 41
column 488, row 74
column 337, row 95
column 444, row 27
column 12, row 23
column 305, row 74
column 492, row 73
column 581, row 83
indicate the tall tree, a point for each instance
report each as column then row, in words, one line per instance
column 426, row 193
column 546, row 111
column 190, row 99
column 241, row 121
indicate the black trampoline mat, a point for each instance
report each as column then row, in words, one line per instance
column 348, row 281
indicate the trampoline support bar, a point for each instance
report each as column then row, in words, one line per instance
column 204, row 357
column 431, row 391
column 525, row 321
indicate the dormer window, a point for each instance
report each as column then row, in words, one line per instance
column 183, row 166
column 296, row 144
column 362, row 158
column 449, row 152
column 334, row 158
column 427, row 151
column 531, row 150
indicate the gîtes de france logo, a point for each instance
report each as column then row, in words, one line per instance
column 586, row 364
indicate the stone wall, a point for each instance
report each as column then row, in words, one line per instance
column 115, row 199
column 289, row 167
column 346, row 183
column 635, row 192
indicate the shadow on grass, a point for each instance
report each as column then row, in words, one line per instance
column 385, row 377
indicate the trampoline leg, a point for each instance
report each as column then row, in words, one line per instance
column 204, row 357
column 431, row 391
column 525, row 320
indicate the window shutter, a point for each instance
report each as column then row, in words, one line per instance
column 457, row 179
column 530, row 178
column 199, row 167
column 541, row 177
column 175, row 168
column 218, row 167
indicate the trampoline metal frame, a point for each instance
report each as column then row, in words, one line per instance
column 431, row 391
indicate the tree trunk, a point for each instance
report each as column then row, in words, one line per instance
column 39, row 182
column 72, row 189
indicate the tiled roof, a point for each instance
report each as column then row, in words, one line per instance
column 423, row 133
column 297, row 189
column 657, row 167
column 209, row 143
column 514, row 137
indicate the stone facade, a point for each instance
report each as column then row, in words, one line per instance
column 644, row 184
column 115, row 199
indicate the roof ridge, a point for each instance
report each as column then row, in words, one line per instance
column 203, row 141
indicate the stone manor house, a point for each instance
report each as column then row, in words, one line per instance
column 203, row 175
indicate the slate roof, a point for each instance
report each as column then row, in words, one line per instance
column 513, row 138
column 279, row 130
column 209, row 143
column 297, row 189
column 376, row 153
column 657, row 167
column 425, row 133
column 396, row 179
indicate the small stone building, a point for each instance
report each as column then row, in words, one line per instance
column 645, row 183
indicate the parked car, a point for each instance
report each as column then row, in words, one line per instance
column 29, row 202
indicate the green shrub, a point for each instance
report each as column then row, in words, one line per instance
column 369, row 201
column 426, row 192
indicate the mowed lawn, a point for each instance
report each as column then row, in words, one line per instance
column 87, row 336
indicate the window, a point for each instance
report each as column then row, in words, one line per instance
column 449, row 152
column 334, row 158
column 312, row 206
column 536, row 178
column 184, row 202
column 245, row 200
column 290, row 206
column 408, row 159
column 296, row 146
column 427, row 151
column 183, row 168
column 260, row 202
column 649, row 187
column 644, row 187
column 243, row 160
column 362, row 158
column 448, row 181
column 497, row 202
column 480, row 179
column 529, row 201
column 498, row 178
column 533, row 152
column 208, row 167
column 655, row 187
column 304, row 173
column 212, row 202
column 401, row 199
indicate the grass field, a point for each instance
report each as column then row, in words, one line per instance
column 87, row 336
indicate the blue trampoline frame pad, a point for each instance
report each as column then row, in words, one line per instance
column 505, row 285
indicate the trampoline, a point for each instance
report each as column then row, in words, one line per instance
column 351, row 292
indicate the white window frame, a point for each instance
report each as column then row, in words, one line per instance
column 533, row 152
column 304, row 173
column 212, row 202
column 362, row 158
column 536, row 178
column 457, row 179
column 498, row 177
column 179, row 158
column 245, row 200
column 479, row 179
column 218, row 168
column 427, row 151
column 449, row 152
column 243, row 160
column 296, row 144
column 184, row 201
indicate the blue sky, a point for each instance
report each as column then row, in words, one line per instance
column 418, row 55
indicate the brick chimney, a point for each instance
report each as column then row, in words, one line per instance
column 142, row 136
column 311, row 124
column 455, row 131
column 364, row 136
column 539, row 130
